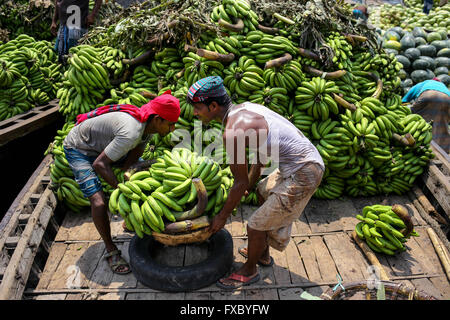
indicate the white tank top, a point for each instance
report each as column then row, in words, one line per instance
column 285, row 142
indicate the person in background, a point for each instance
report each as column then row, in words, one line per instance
column 432, row 102
column 74, row 20
column 361, row 12
column 114, row 134
column 427, row 6
column 283, row 194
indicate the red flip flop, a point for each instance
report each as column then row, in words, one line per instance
column 243, row 281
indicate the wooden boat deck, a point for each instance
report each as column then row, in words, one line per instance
column 321, row 247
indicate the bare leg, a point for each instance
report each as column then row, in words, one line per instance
column 102, row 223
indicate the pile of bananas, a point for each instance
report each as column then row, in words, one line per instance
column 383, row 228
column 342, row 50
column 29, row 75
column 289, row 76
column 158, row 198
column 62, row 178
column 224, row 45
column 87, row 79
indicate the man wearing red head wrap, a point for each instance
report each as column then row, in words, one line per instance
column 114, row 134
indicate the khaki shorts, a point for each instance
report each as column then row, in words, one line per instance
column 285, row 199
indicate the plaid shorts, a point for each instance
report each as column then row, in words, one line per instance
column 285, row 200
column 85, row 175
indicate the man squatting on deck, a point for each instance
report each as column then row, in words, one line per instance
column 114, row 134
column 283, row 194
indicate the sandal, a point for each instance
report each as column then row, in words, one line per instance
column 245, row 255
column 120, row 262
column 241, row 281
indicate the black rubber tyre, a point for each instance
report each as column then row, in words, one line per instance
column 179, row 279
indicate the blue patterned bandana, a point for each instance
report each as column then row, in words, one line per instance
column 205, row 88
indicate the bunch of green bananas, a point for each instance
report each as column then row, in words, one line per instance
column 347, row 87
column 342, row 50
column 263, row 47
column 125, row 95
column 29, row 75
column 315, row 97
column 225, row 45
column 196, row 68
column 331, row 186
column 167, row 189
column 243, row 77
column 231, row 10
column 289, row 76
column 276, row 99
column 383, row 229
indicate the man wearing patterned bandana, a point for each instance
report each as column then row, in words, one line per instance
column 283, row 194
column 114, row 134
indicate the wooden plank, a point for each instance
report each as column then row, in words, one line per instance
column 319, row 216
column 433, row 263
column 228, row 295
column 140, row 296
column 297, row 270
column 427, row 286
column 301, row 225
column 360, row 202
column 442, row 156
column 261, row 294
column 60, row 296
column 127, row 280
column 417, row 194
column 439, row 186
column 67, row 271
column 112, row 296
column 343, row 253
column 10, row 220
column 442, row 284
column 169, row 296
column 18, row 270
column 318, row 263
column 9, row 132
column 56, row 254
column 280, row 267
column 404, row 264
column 421, row 256
column 71, row 220
column 345, row 212
column 290, row 294
column 87, row 263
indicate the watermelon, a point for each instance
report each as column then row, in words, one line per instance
column 430, row 74
column 445, row 79
column 407, row 83
column 420, row 41
column 442, row 62
column 392, row 35
column 444, row 53
column 389, row 51
column 419, row 32
column 412, row 54
column 398, row 30
column 419, row 76
column 430, row 61
column 404, row 61
column 440, row 70
column 427, row 50
column 407, row 41
column 433, row 36
column 420, row 64
column 439, row 44
column 392, row 44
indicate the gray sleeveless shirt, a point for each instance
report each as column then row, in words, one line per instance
column 286, row 144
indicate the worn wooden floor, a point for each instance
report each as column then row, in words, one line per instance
column 321, row 247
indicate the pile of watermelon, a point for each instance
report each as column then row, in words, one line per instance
column 424, row 55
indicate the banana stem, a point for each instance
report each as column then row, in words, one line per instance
column 379, row 82
column 328, row 75
column 199, row 209
column 237, row 27
column 138, row 60
column 308, row 54
column 278, row 62
column 353, row 37
column 283, row 19
column 402, row 212
column 210, row 55
column 343, row 103
column 268, row 30
column 187, row 225
column 407, row 140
